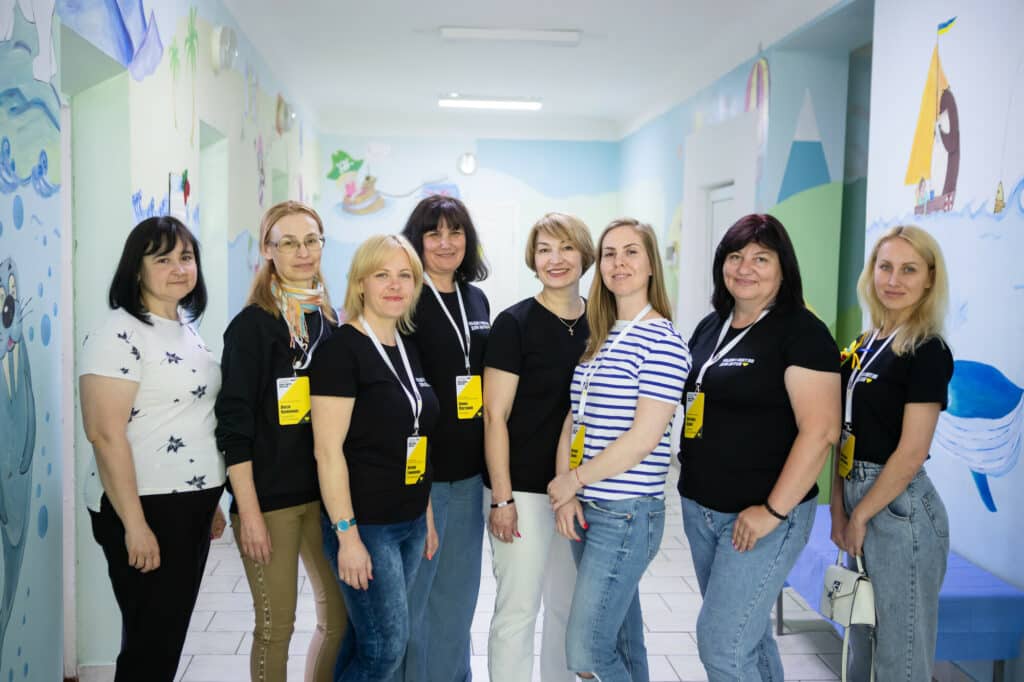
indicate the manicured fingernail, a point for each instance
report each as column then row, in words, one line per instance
column 586, row 526
column 518, row 535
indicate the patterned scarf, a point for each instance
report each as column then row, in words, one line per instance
column 294, row 302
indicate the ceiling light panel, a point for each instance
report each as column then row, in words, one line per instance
column 493, row 103
column 560, row 37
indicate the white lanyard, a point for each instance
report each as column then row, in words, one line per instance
column 855, row 374
column 719, row 352
column 465, row 318
column 588, row 373
column 307, row 353
column 415, row 399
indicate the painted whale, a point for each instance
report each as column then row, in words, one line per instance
column 18, row 424
column 983, row 425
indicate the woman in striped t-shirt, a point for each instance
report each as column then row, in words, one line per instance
column 614, row 454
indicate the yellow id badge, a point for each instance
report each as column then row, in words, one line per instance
column 415, row 459
column 292, row 401
column 469, row 396
column 693, row 424
column 576, row 446
column 846, row 444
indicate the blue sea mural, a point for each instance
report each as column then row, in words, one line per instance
column 30, row 337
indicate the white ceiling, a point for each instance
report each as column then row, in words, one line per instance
column 378, row 67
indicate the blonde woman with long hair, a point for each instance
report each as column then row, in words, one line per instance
column 614, row 452
column 373, row 415
column 264, row 432
column 884, row 507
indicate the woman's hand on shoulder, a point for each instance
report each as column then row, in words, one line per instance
column 566, row 518
column 355, row 568
column 752, row 524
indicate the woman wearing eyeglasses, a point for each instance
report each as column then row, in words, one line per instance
column 263, row 429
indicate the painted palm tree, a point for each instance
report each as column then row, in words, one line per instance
column 191, row 45
column 175, row 69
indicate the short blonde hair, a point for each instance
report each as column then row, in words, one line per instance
column 370, row 257
column 259, row 292
column 566, row 227
column 602, row 311
column 927, row 318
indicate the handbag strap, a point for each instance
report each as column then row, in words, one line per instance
column 860, row 564
column 846, row 652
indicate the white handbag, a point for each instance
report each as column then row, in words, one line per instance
column 849, row 599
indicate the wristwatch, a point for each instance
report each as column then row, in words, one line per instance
column 343, row 525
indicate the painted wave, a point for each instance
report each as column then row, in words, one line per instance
column 10, row 181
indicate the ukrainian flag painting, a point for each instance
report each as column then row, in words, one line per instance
column 946, row 25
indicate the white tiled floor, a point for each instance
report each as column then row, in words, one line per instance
column 220, row 634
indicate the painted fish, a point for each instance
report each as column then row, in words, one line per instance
column 983, row 425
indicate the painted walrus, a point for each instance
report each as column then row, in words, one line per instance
column 18, row 426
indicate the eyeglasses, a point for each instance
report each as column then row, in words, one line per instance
column 288, row 246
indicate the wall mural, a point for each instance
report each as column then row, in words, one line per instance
column 935, row 154
column 123, row 29
column 29, row 341
column 361, row 196
column 964, row 183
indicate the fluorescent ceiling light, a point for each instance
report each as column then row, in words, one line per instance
column 503, row 104
column 566, row 38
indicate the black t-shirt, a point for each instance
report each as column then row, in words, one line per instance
column 889, row 383
column 749, row 425
column 348, row 365
column 456, row 445
column 529, row 340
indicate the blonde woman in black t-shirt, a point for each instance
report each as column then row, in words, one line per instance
column 373, row 413
column 884, row 507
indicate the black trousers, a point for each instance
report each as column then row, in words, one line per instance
column 157, row 606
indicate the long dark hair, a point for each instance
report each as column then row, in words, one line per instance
column 429, row 213
column 154, row 237
column 767, row 231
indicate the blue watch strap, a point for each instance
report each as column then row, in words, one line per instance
column 343, row 524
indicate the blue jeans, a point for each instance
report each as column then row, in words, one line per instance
column 605, row 635
column 905, row 553
column 443, row 596
column 734, row 632
column 378, row 617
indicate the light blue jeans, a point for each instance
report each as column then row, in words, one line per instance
column 443, row 596
column 905, row 553
column 605, row 635
column 378, row 617
column 734, row 632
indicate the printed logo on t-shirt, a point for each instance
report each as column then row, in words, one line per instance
column 867, row 377
column 736, row 362
column 422, row 383
column 479, row 325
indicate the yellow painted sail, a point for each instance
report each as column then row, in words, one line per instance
column 920, row 165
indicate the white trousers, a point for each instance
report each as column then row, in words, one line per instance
column 534, row 568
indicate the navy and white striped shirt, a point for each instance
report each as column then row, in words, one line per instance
column 651, row 361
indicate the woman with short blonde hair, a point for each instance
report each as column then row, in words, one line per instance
column 531, row 352
column 263, row 429
column 884, row 506
column 373, row 416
